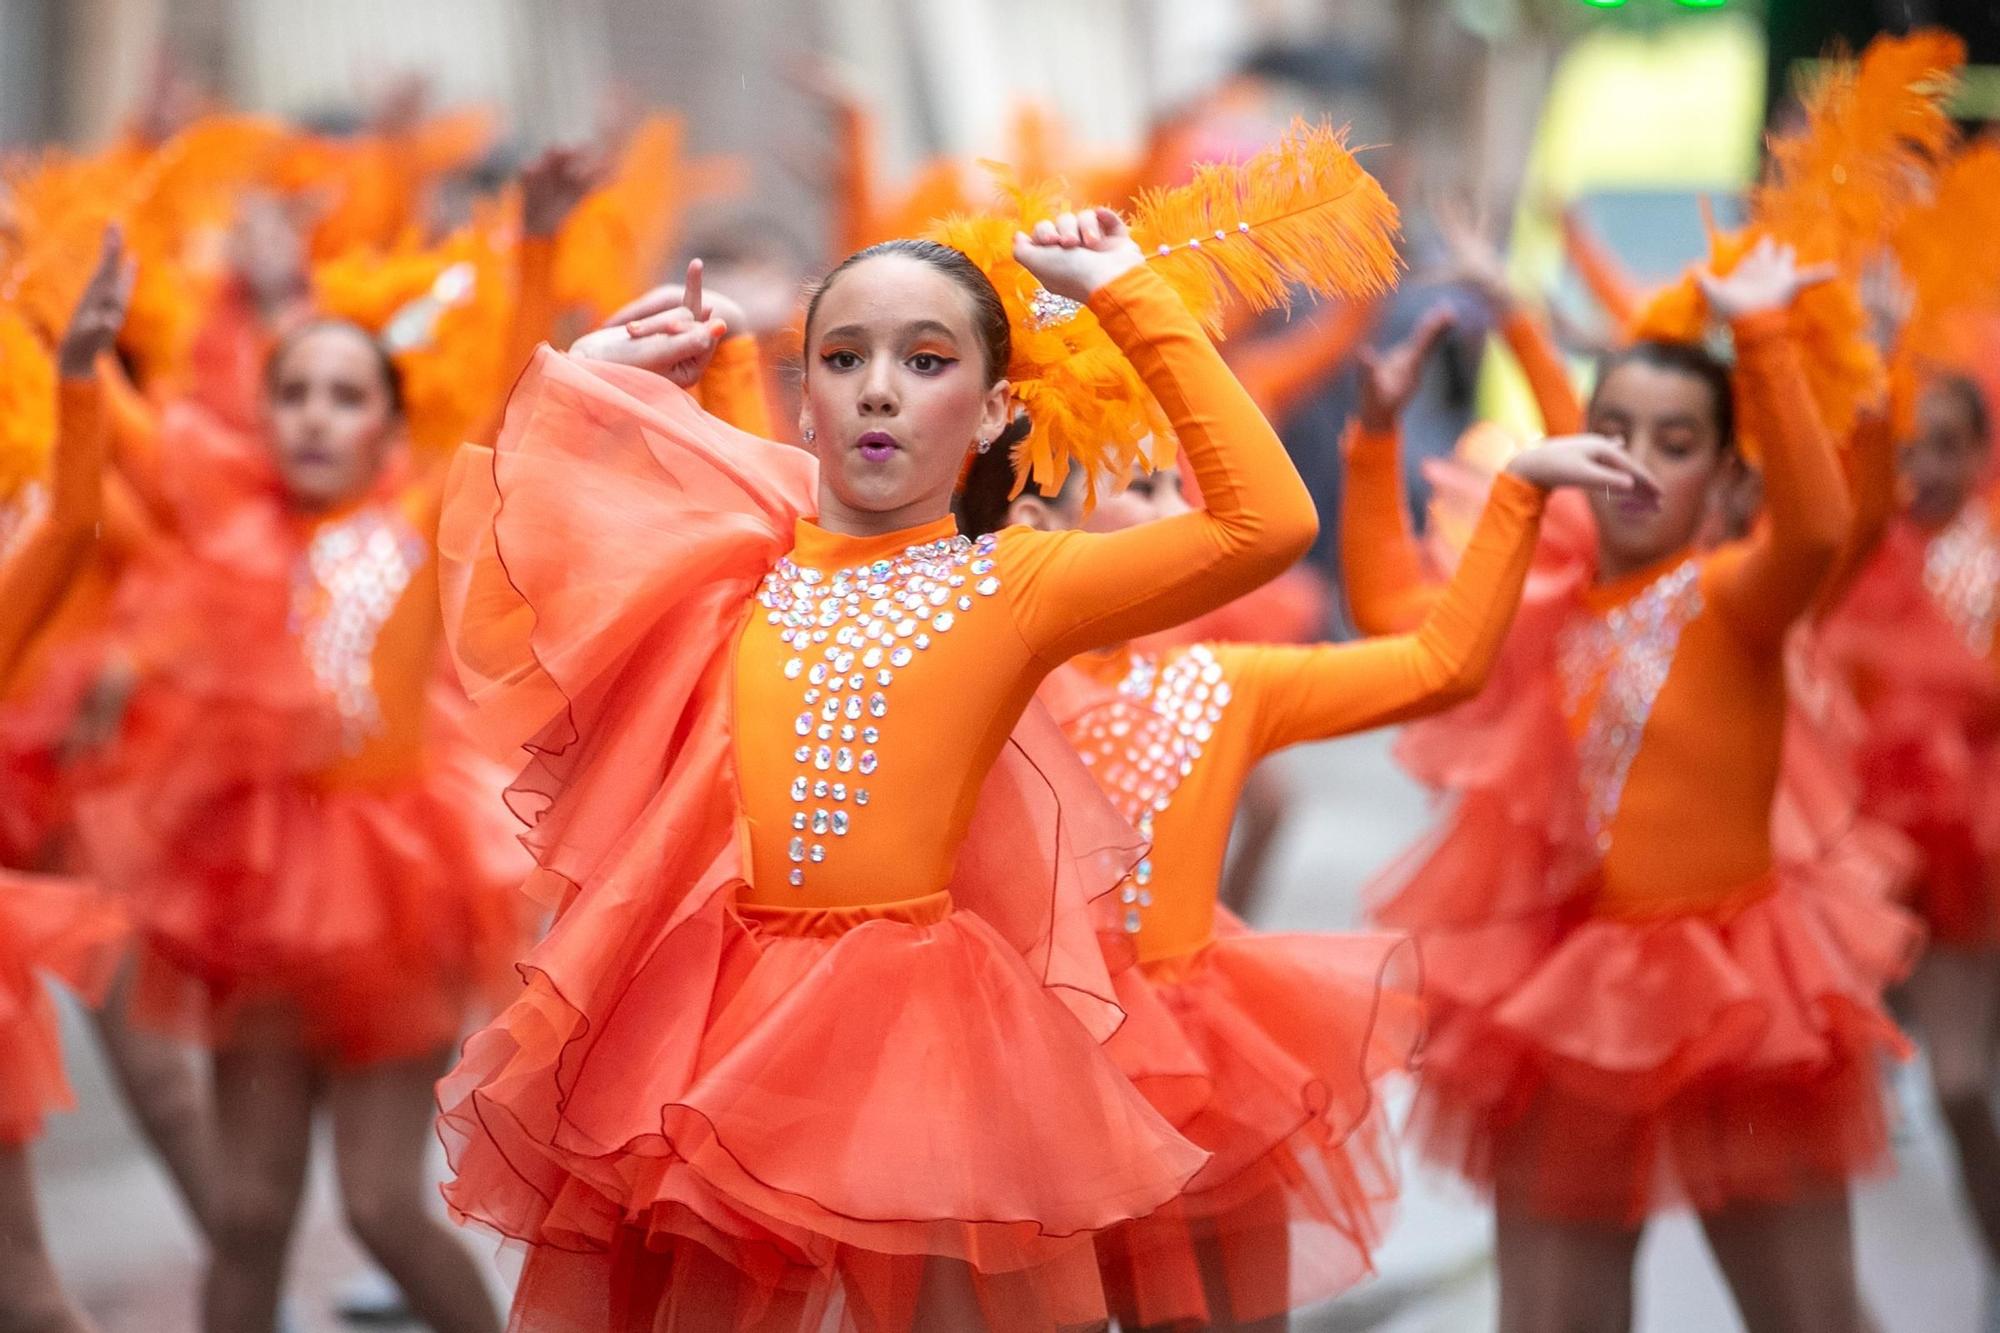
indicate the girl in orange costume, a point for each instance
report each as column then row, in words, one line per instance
column 1915, row 634
column 316, row 855
column 50, row 925
column 1628, row 1016
column 686, row 1119
column 1263, row 1049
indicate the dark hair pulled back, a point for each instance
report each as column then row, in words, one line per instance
column 1689, row 359
column 392, row 374
column 989, row 318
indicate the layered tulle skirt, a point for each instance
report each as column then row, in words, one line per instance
column 381, row 917
column 881, row 1100
column 1267, row 1051
column 1601, row 1068
column 56, row 929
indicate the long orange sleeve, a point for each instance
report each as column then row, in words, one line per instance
column 34, row 576
column 1613, row 287
column 1869, row 464
column 1283, row 368
column 1381, row 566
column 532, row 323
column 134, row 433
column 1083, row 590
column 1770, row 580
column 1548, row 378
column 732, row 388
column 1313, row 693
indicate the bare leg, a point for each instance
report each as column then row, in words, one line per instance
column 31, row 1298
column 1564, row 1277
column 381, row 1127
column 1953, row 996
column 161, row 1082
column 265, row 1087
column 1790, row 1266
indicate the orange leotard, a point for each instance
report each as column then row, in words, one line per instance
column 1223, row 707
column 865, row 682
column 1699, row 748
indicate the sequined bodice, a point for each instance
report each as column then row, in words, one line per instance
column 861, row 690
column 1145, row 740
column 345, row 585
column 1614, row 665
column 1962, row 575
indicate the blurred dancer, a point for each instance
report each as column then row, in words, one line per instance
column 1262, row 1049
column 48, row 925
column 316, row 858
column 1635, row 1006
column 1916, row 637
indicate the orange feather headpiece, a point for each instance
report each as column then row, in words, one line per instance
column 1874, row 132
column 1302, row 213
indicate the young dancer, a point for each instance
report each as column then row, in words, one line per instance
column 1635, row 1007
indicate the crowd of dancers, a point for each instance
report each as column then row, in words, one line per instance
column 773, row 828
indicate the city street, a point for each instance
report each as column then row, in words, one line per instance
column 126, row 1250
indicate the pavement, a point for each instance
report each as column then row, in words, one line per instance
column 129, row 1255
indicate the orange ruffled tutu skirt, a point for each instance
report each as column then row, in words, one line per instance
column 62, row 929
column 381, row 917
column 872, row 1089
column 1265, row 1050
column 1592, row 1066
column 1928, row 757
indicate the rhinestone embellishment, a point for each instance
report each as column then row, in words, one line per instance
column 851, row 631
column 1622, row 658
column 1144, row 741
column 345, row 585
column 1962, row 575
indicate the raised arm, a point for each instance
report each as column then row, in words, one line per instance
column 1613, row 287
column 1476, row 263
column 1381, row 567
column 1548, row 378
column 1382, row 571
column 1078, row 590
column 1304, row 694
column 1766, row 582
column 1315, row 693
column 1869, row 465
column 34, row 576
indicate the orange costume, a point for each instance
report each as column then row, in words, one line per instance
column 1916, row 637
column 291, row 809
column 48, row 925
column 821, row 1005
column 1264, row 1049
column 1628, row 1015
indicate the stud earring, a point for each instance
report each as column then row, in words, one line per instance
column 811, row 434
column 985, row 445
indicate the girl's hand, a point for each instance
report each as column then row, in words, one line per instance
column 1582, row 461
column 645, row 314
column 1768, row 278
column 1077, row 253
column 100, row 312
column 553, row 185
column 1389, row 378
